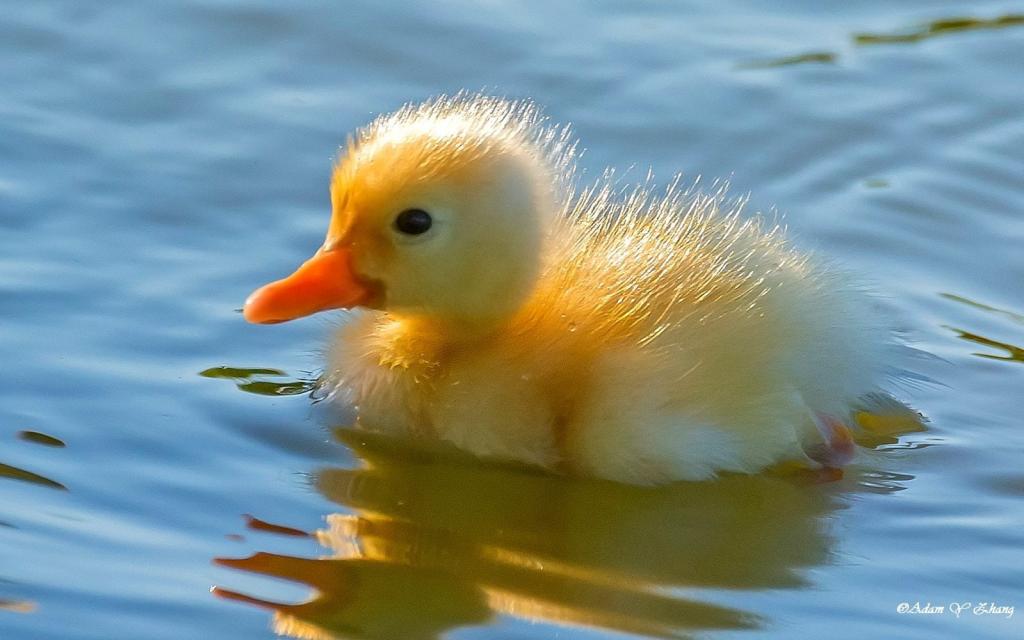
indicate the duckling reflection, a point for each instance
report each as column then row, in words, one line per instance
column 434, row 541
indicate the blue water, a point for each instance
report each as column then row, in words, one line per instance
column 161, row 160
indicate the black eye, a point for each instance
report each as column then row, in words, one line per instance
column 413, row 222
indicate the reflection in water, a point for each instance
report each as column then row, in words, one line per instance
column 939, row 28
column 874, row 481
column 820, row 57
column 929, row 30
column 252, row 380
column 1013, row 352
column 17, row 473
column 256, row 524
column 17, row 606
column 366, row 598
column 883, row 420
column 429, row 544
column 1016, row 317
column 7, row 471
column 41, row 438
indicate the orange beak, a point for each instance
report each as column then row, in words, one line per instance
column 325, row 281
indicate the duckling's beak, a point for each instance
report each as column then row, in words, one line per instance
column 325, row 281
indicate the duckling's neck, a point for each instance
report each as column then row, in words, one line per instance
column 444, row 333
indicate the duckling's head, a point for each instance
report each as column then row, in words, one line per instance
column 440, row 212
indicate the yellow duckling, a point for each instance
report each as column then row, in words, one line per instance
column 624, row 335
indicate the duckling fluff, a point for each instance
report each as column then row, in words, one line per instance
column 590, row 330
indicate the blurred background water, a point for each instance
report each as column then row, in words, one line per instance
column 159, row 160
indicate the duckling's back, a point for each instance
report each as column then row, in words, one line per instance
column 699, row 336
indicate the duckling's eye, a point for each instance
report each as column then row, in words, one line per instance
column 413, row 222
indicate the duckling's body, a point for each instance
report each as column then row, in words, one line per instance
column 648, row 339
column 651, row 350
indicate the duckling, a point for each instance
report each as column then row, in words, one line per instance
column 499, row 305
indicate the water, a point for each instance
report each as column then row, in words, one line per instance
column 161, row 160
